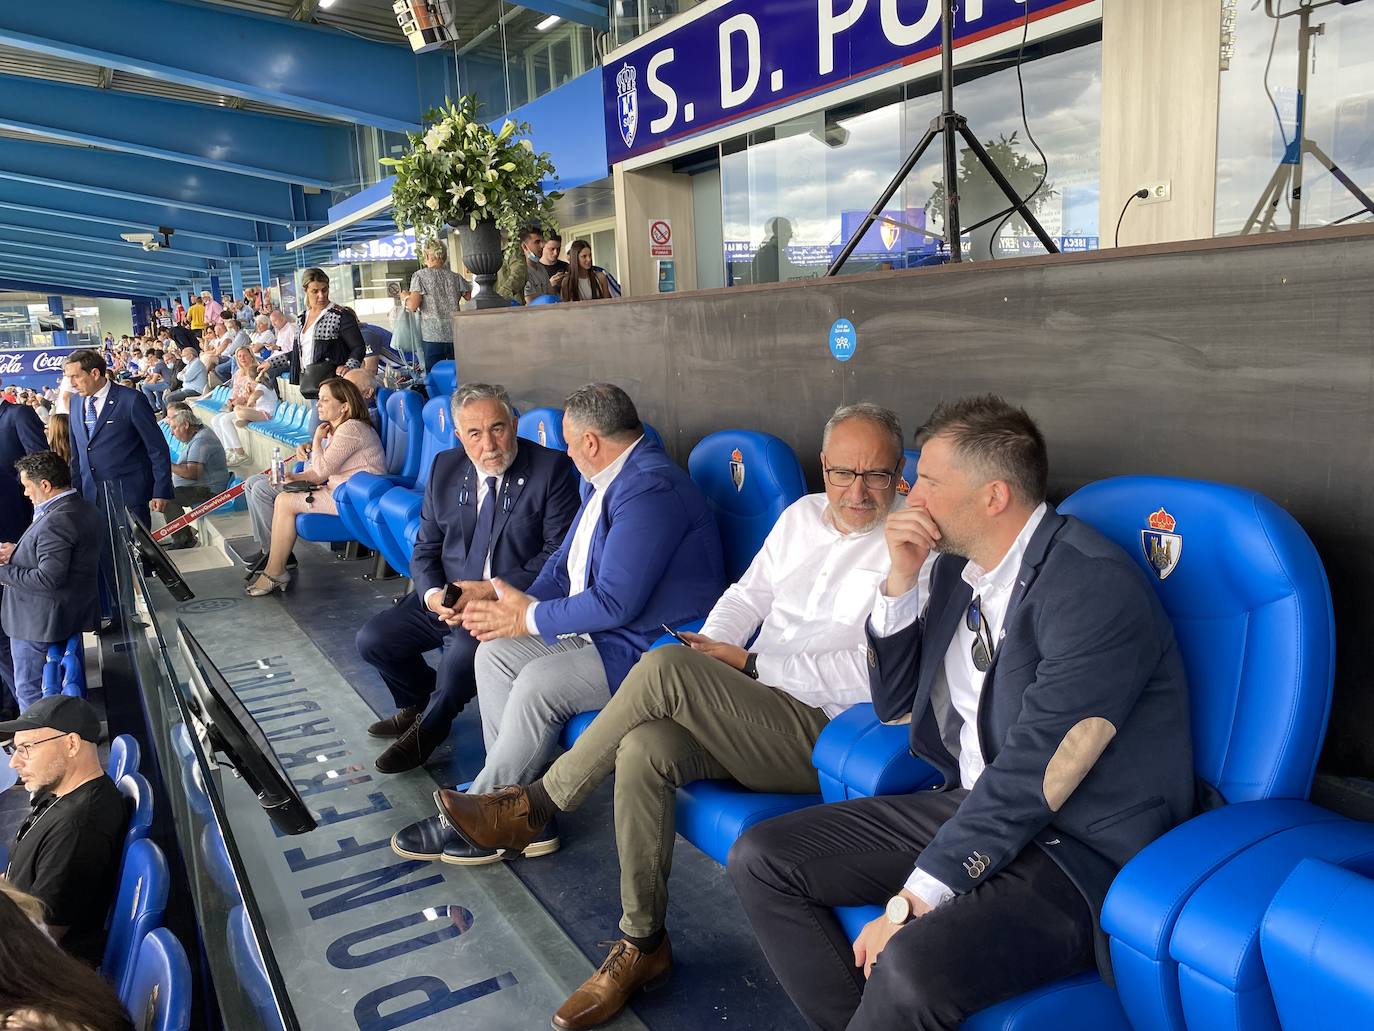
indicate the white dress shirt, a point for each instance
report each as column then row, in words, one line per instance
column 101, row 396
column 307, row 339
column 994, row 589
column 580, row 547
column 807, row 593
column 481, row 496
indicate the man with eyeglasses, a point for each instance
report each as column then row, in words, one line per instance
column 722, row 708
column 1041, row 677
column 67, row 852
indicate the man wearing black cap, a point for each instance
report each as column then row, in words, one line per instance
column 67, row 852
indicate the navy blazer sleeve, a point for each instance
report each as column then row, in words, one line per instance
column 159, row 455
column 29, row 427
column 426, row 558
column 560, row 507
column 1096, row 655
column 647, row 525
column 58, row 537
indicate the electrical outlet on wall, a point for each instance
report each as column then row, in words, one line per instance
column 1159, row 192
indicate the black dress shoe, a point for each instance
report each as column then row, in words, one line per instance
column 425, row 840
column 411, row 749
column 458, row 851
column 395, row 726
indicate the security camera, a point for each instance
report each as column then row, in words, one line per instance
column 152, row 245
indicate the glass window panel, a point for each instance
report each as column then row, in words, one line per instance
column 1257, row 123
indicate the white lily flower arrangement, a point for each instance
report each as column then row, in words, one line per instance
column 460, row 172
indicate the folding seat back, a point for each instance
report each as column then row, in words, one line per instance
column 383, row 395
column 543, row 426
column 158, row 996
column 437, row 419
column 124, row 757
column 748, row 478
column 442, row 380
column 139, row 906
column 404, row 411
column 135, row 788
column 246, row 958
column 1251, row 609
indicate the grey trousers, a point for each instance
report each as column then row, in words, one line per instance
column 526, row 691
column 262, row 498
column 681, row 716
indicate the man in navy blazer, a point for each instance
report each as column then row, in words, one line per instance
column 496, row 507
column 115, row 438
column 50, row 573
column 21, row 433
column 1041, row 677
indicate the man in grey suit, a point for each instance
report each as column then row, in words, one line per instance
column 50, row 573
column 1041, row 678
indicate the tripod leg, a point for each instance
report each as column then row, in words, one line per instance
column 1007, row 189
column 1270, row 198
column 1350, row 185
column 886, row 196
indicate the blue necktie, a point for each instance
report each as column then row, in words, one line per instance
column 90, row 417
column 475, row 565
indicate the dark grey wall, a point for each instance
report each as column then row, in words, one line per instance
column 1246, row 361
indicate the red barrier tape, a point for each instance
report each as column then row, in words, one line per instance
column 203, row 509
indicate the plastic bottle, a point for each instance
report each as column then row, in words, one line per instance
column 278, row 476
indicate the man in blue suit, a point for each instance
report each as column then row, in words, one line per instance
column 496, row 508
column 21, row 433
column 1041, row 678
column 115, row 438
column 49, row 574
column 643, row 550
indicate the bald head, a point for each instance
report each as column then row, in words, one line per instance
column 364, row 381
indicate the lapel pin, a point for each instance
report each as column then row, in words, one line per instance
column 520, row 482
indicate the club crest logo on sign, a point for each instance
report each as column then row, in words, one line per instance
column 543, row 435
column 737, row 469
column 1162, row 547
column 627, row 104
column 891, row 234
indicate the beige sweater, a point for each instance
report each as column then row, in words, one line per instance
column 353, row 448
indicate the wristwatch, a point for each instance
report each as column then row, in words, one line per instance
column 751, row 666
column 898, row 910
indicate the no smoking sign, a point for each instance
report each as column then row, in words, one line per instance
column 660, row 238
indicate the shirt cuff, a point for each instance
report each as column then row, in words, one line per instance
column 530, row 624
column 926, row 888
column 892, row 615
column 429, row 594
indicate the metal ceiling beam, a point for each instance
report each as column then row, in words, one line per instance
column 105, row 273
column 273, row 60
column 13, row 241
column 130, row 177
column 30, row 284
column 75, row 278
column 267, row 146
column 64, row 227
column 135, row 216
column 583, row 12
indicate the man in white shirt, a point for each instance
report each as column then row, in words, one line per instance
column 723, row 708
column 1018, row 656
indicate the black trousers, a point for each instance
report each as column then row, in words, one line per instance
column 395, row 641
column 1023, row 927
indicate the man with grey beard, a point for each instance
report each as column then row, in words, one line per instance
column 721, row 708
column 495, row 507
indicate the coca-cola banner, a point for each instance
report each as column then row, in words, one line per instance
column 32, row 368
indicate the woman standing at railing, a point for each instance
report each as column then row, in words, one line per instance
column 583, row 283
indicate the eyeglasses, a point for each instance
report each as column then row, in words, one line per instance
column 26, row 748
column 874, row 479
column 982, row 635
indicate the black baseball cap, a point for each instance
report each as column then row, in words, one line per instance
column 65, row 713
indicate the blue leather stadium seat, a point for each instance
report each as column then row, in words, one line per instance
column 383, row 393
column 1318, row 950
column 442, row 380
column 1252, row 614
column 64, row 672
column 403, row 449
column 545, row 299
column 749, row 479
column 217, row 861
column 124, row 757
column 543, row 426
column 135, row 788
column 158, row 996
column 246, row 959
column 139, row 906
column 909, row 459
column 388, row 510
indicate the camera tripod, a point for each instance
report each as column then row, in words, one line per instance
column 950, row 127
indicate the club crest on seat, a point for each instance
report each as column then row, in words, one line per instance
column 1162, row 547
column 737, row 469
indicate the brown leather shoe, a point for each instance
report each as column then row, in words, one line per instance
column 606, row 992
column 499, row 820
column 395, row 726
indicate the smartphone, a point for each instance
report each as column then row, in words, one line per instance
column 452, row 592
column 675, row 635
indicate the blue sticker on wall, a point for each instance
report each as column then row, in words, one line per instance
column 844, row 340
